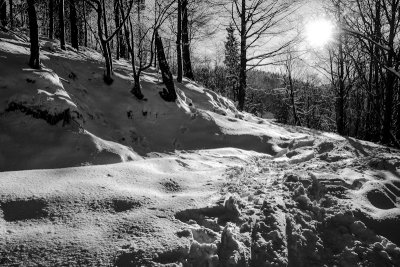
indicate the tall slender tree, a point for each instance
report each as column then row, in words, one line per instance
column 51, row 19
column 3, row 12
column 187, row 64
column 289, row 65
column 11, row 7
column 169, row 94
column 179, row 41
column 73, row 24
column 61, row 23
column 232, row 62
column 257, row 21
column 34, row 60
column 102, row 32
column 85, row 41
column 117, row 22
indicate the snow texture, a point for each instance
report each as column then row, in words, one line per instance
column 195, row 183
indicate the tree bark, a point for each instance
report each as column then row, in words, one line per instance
column 34, row 60
column 74, row 26
column 62, row 25
column 187, row 65
column 3, row 12
column 85, row 22
column 389, row 86
column 117, row 21
column 168, row 94
column 376, row 53
column 10, row 3
column 51, row 19
column 292, row 97
column 340, row 99
column 243, row 58
column 178, row 42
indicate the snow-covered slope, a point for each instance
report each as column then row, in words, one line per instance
column 66, row 112
column 201, row 184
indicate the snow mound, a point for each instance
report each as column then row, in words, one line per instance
column 41, row 123
column 70, row 96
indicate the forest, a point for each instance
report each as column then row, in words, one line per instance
column 351, row 87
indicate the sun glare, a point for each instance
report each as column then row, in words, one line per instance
column 319, row 32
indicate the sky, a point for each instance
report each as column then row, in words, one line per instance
column 212, row 47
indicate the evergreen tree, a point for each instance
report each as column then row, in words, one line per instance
column 232, row 62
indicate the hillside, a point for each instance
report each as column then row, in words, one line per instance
column 90, row 176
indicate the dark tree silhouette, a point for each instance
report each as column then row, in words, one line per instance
column 232, row 62
column 3, row 12
column 34, row 60
column 11, row 7
column 187, row 64
column 102, row 32
column 73, row 24
column 168, row 94
column 51, row 19
column 179, row 42
column 61, row 23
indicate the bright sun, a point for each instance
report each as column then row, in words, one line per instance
column 319, row 32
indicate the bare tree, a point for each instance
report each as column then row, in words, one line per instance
column 51, row 19
column 3, row 12
column 187, row 64
column 144, row 43
column 259, row 21
column 34, row 60
column 61, row 23
column 11, row 7
column 169, row 94
column 375, row 25
column 289, row 65
column 179, row 41
column 102, row 32
column 73, row 24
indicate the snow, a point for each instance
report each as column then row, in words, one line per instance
column 92, row 176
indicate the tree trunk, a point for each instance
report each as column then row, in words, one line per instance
column 74, row 26
column 85, row 22
column 292, row 98
column 377, row 123
column 107, row 76
column 137, row 88
column 155, row 58
column 61, row 22
column 3, row 12
column 51, row 19
column 10, row 3
column 104, row 46
column 22, row 18
column 187, row 65
column 178, row 42
column 117, row 21
column 34, row 60
column 390, row 77
column 340, row 99
column 168, row 94
column 243, row 58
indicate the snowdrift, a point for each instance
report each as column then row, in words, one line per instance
column 66, row 112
